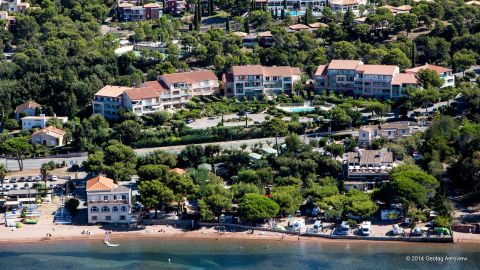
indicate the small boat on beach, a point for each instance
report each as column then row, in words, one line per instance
column 108, row 244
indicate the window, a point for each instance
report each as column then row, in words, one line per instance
column 124, row 209
column 105, row 198
column 115, row 209
column 105, row 209
column 122, row 217
column 94, row 209
column 108, row 218
column 124, row 197
column 94, row 218
column 114, row 197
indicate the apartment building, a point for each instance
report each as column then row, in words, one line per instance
column 40, row 121
column 130, row 12
column 108, row 101
column 445, row 73
column 107, row 202
column 176, row 6
column 353, row 77
column 171, row 91
column 14, row 5
column 316, row 5
column 367, row 169
column 258, row 81
column 391, row 131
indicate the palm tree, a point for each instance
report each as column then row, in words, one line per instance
column 3, row 173
column 44, row 171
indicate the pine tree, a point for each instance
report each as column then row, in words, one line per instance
column 275, row 14
column 306, row 18
column 246, row 25
column 414, row 52
column 210, row 7
column 282, row 14
column 284, row 4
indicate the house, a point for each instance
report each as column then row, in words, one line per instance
column 298, row 27
column 316, row 5
column 10, row 20
column 259, row 81
column 14, row 5
column 391, row 131
column 28, row 108
column 40, row 121
column 366, row 169
column 399, row 9
column 344, row 5
column 49, row 136
column 108, row 101
column 107, row 202
column 445, row 73
column 353, row 77
column 153, row 11
column 176, row 6
column 265, row 39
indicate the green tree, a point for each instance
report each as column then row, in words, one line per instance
column 17, row 147
column 397, row 57
column 45, row 171
column 3, row 173
column 429, row 78
column 344, row 50
column 72, row 206
column 464, row 59
column 154, row 194
column 255, row 207
column 288, row 198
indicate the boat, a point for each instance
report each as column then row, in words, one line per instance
column 108, row 244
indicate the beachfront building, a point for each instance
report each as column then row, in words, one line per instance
column 108, row 101
column 171, row 91
column 367, row 169
column 107, row 202
column 259, row 81
column 390, row 131
column 14, row 5
column 29, row 122
column 49, row 136
column 444, row 73
column 353, row 77
column 28, row 108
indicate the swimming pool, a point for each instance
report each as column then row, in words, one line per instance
column 298, row 109
column 296, row 13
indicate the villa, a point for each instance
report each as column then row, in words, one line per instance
column 14, row 5
column 445, row 73
column 49, row 136
column 391, row 131
column 28, row 108
column 366, row 169
column 129, row 12
column 40, row 121
column 108, row 202
column 258, row 81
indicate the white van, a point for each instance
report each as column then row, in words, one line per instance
column 298, row 225
column 345, row 228
column 366, row 228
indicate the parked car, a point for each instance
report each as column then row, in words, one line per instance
column 22, row 179
column 298, row 225
column 13, row 180
column 53, row 178
column 26, row 185
column 317, row 226
column 30, row 179
column 37, row 178
column 14, row 186
column 396, row 230
column 6, row 180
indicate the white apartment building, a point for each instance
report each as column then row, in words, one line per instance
column 107, row 202
column 256, row 80
column 40, row 121
column 345, row 5
column 391, row 131
column 171, row 91
column 316, row 5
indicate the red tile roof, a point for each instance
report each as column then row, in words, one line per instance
column 321, row 70
column 378, row 69
column 344, row 64
column 27, row 105
column 189, row 77
column 112, row 91
column 151, row 5
column 404, row 78
column 438, row 69
column 265, row 71
column 299, row 26
column 100, row 183
column 178, row 170
column 150, row 89
column 51, row 130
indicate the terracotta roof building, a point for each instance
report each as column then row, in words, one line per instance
column 390, row 131
column 445, row 73
column 108, row 101
column 108, row 202
column 358, row 79
column 256, row 80
column 49, row 136
column 28, row 108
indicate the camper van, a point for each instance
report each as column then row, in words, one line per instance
column 345, row 228
column 298, row 225
column 366, row 228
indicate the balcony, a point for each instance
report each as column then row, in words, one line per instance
column 108, row 201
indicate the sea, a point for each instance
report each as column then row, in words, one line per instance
column 182, row 253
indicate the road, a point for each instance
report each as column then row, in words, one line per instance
column 207, row 122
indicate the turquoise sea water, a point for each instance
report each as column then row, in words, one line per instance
column 237, row 254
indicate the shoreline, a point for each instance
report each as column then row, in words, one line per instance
column 209, row 235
